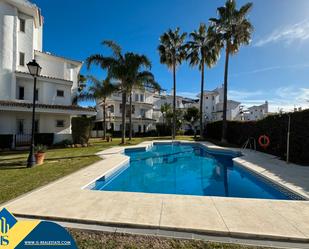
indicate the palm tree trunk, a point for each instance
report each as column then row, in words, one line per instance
column 224, row 121
column 123, row 128
column 104, row 120
column 201, row 102
column 174, row 102
column 130, row 117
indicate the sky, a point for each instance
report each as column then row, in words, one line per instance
column 274, row 67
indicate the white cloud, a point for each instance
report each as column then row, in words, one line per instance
column 243, row 95
column 192, row 95
column 286, row 98
column 265, row 69
column 289, row 34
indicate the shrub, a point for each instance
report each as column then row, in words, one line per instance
column 189, row 132
column 81, row 128
column 6, row 141
column 44, row 138
column 164, row 129
column 276, row 128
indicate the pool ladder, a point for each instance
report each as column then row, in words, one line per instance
column 250, row 142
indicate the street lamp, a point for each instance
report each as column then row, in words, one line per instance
column 35, row 70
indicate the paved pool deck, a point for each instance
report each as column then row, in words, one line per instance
column 67, row 200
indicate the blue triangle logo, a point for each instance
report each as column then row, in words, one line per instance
column 7, row 221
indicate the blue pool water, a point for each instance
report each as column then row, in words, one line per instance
column 187, row 169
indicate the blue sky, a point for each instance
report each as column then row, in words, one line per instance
column 274, row 67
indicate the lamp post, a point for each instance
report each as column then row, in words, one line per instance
column 35, row 70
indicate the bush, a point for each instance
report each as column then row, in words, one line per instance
column 189, row 132
column 276, row 128
column 44, row 139
column 64, row 142
column 164, row 129
column 81, row 128
column 6, row 141
column 180, row 133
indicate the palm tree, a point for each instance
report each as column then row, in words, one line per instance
column 165, row 109
column 172, row 51
column 203, row 48
column 234, row 29
column 120, row 67
column 99, row 91
column 139, row 79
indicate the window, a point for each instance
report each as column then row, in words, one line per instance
column 20, row 126
column 21, row 59
column 133, row 109
column 206, row 107
column 36, row 94
column 139, row 129
column 60, row 123
column 143, row 113
column 60, row 93
column 21, row 93
column 213, row 97
column 136, row 97
column 22, row 25
column 144, row 128
column 207, row 97
column 142, row 98
column 111, row 108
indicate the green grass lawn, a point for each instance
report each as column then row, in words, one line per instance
column 16, row 179
column 91, row 240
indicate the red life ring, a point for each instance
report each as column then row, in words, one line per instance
column 264, row 141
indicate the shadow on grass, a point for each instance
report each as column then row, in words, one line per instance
column 22, row 164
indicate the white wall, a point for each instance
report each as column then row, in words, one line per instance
column 7, row 45
column 25, row 41
column 47, row 91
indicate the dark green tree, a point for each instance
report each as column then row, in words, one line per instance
column 234, row 29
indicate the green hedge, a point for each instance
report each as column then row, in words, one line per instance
column 6, row 141
column 276, row 128
column 81, row 128
column 44, row 139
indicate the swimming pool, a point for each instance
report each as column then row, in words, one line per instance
column 188, row 169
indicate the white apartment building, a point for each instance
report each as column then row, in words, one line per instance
column 21, row 38
column 256, row 112
column 147, row 109
column 213, row 106
column 142, row 111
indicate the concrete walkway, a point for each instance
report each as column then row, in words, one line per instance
column 68, row 200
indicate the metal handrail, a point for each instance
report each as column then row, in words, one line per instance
column 249, row 142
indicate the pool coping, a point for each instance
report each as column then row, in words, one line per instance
column 206, row 215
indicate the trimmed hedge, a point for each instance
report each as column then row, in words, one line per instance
column 6, row 141
column 164, row 129
column 81, row 128
column 44, row 139
column 276, row 128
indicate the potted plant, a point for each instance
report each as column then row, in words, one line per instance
column 40, row 154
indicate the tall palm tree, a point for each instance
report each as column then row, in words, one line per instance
column 120, row 67
column 116, row 66
column 139, row 79
column 234, row 29
column 172, row 51
column 99, row 91
column 203, row 48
